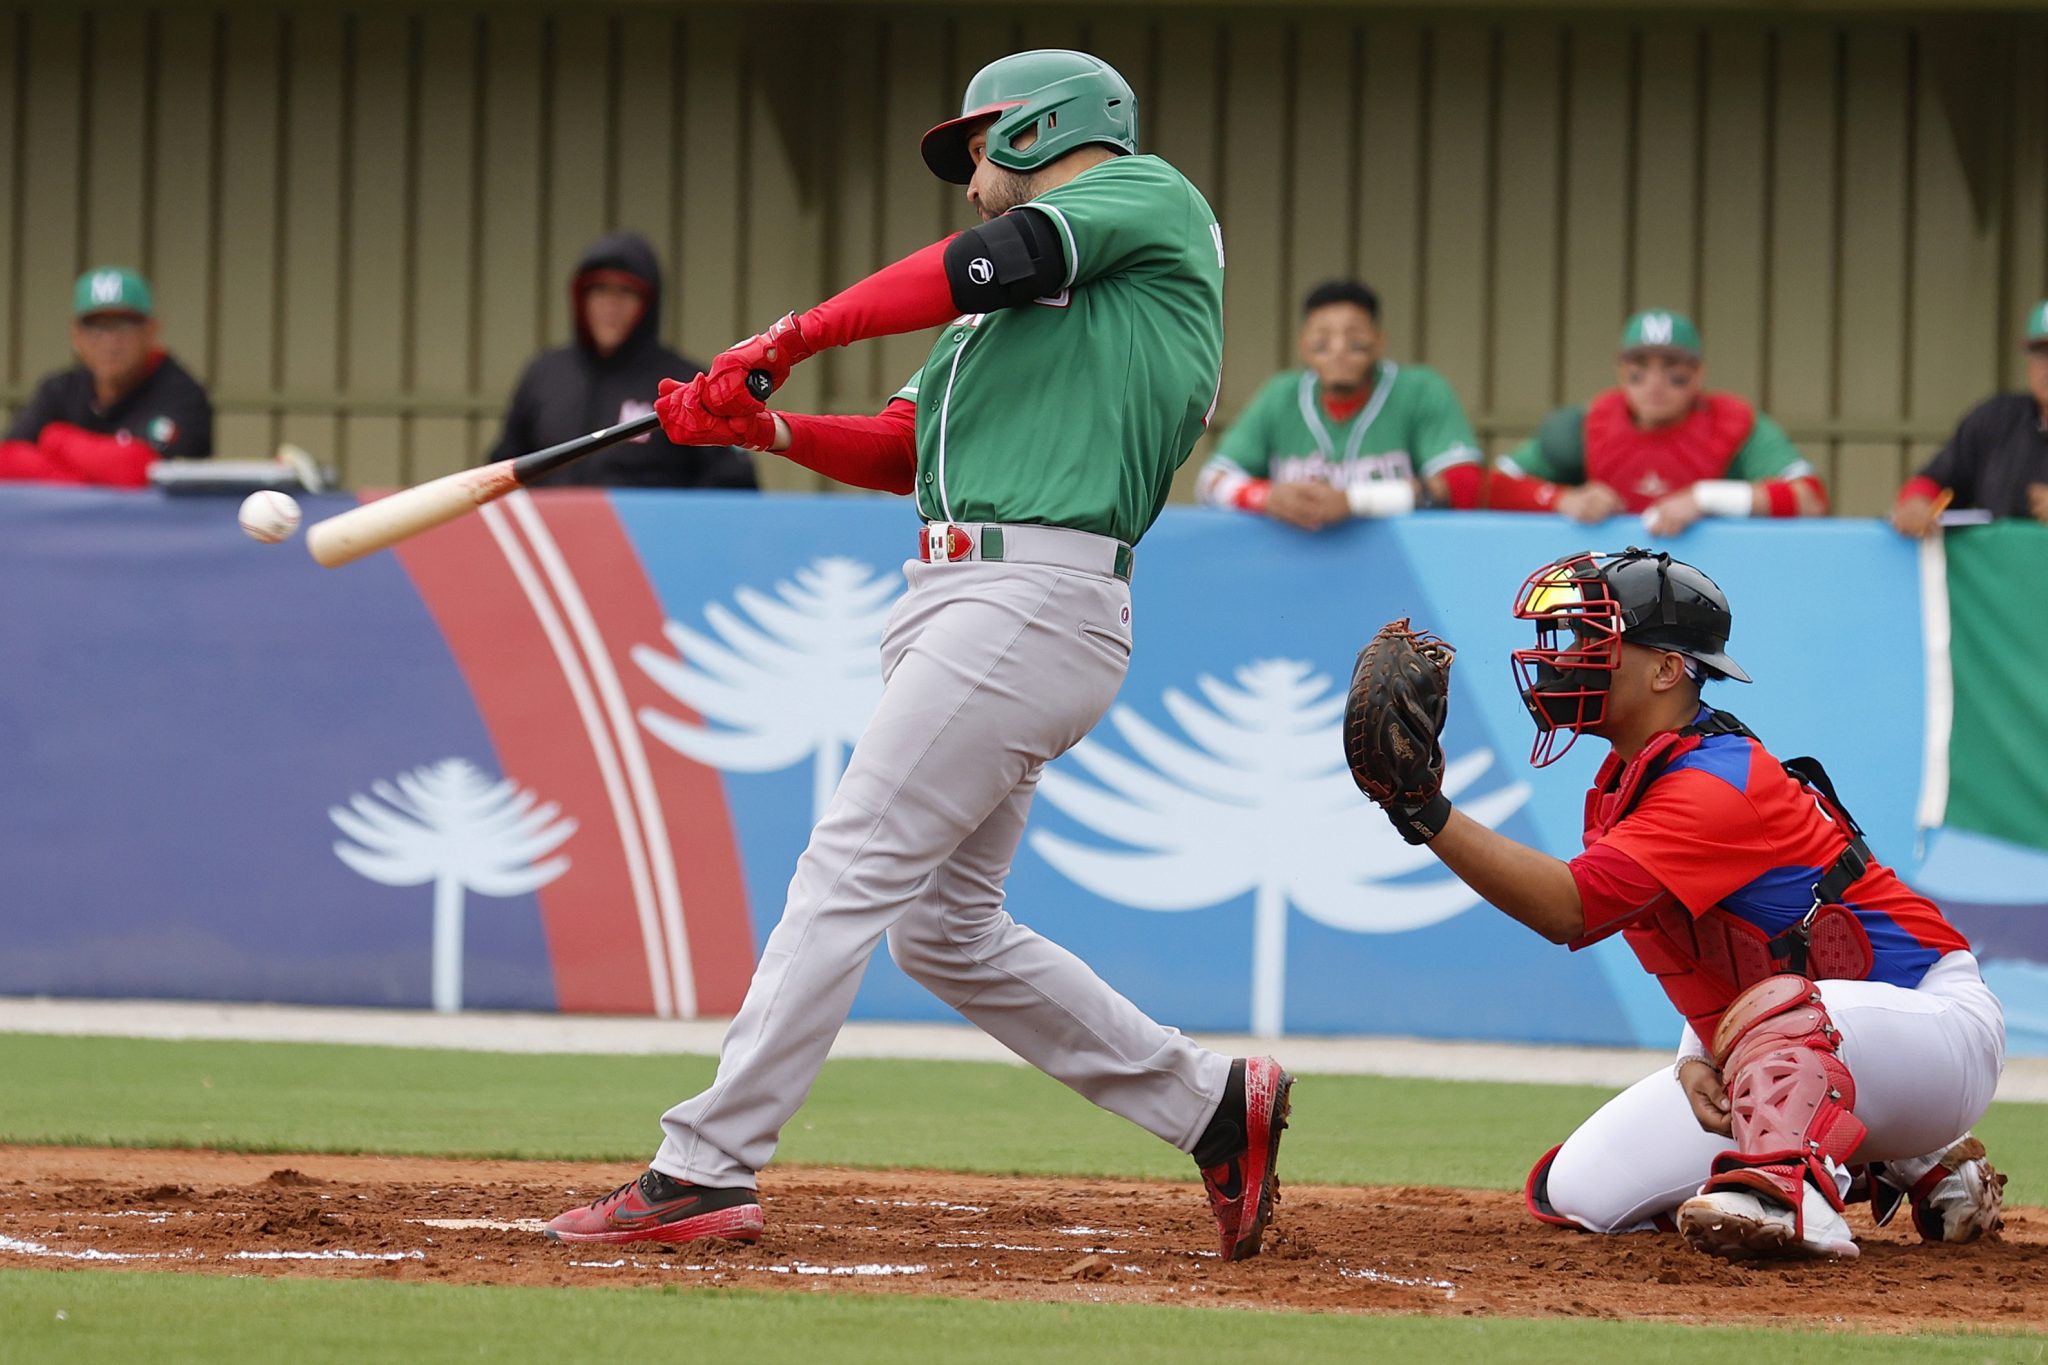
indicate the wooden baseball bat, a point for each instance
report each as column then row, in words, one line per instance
column 348, row 536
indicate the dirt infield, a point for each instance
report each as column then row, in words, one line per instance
column 1442, row 1252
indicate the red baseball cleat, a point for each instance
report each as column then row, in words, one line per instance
column 655, row 1208
column 1244, row 1187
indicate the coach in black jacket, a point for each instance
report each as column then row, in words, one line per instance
column 607, row 376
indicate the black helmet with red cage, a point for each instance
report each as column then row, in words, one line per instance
column 1584, row 606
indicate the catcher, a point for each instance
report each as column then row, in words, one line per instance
column 1838, row 1039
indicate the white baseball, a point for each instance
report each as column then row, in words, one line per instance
column 269, row 516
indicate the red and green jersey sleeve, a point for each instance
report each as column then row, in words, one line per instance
column 1438, row 434
column 1768, row 454
column 1557, row 452
column 1251, row 442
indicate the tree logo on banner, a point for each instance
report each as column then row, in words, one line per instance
column 449, row 824
column 1259, row 802
column 798, row 679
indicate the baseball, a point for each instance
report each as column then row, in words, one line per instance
column 269, row 516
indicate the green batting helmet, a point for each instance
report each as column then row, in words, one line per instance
column 1071, row 98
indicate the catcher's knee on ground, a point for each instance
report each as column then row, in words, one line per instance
column 1587, row 1192
column 1639, row 1156
column 1792, row 1099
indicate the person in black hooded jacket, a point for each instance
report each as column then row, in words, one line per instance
column 607, row 376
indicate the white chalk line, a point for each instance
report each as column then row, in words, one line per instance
column 793, row 1268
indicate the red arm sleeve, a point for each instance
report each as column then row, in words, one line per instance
column 1783, row 496
column 909, row 296
column 1462, row 480
column 92, row 458
column 864, row 452
column 1507, row 492
column 1919, row 486
column 27, row 462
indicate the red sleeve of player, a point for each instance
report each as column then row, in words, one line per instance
column 1507, row 492
column 92, row 458
column 1697, row 836
column 909, row 296
column 1613, row 891
column 1462, row 481
column 27, row 462
column 1919, row 486
column 1782, row 495
column 864, row 452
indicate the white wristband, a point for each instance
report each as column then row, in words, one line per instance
column 1724, row 497
column 1381, row 498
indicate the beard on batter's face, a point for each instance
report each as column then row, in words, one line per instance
column 993, row 190
column 997, row 191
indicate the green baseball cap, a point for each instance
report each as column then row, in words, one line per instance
column 112, row 289
column 2037, row 324
column 1660, row 329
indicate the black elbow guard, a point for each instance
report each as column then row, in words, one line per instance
column 1006, row 261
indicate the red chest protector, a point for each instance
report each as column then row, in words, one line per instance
column 1644, row 466
column 1703, row 962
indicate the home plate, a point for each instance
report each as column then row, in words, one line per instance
column 486, row 1224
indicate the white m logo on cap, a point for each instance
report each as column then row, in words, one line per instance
column 1657, row 328
column 106, row 287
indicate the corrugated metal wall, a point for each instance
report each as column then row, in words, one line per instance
column 360, row 219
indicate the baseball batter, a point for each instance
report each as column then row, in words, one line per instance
column 1080, row 359
column 1839, row 1040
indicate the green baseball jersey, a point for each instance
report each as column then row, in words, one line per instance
column 1412, row 426
column 1557, row 451
column 1075, row 410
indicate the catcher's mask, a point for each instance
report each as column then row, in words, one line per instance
column 1584, row 606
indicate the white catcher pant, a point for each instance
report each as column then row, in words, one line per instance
column 990, row 671
column 1926, row 1063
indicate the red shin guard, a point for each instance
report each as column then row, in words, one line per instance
column 1792, row 1099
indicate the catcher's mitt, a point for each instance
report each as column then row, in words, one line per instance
column 1400, row 695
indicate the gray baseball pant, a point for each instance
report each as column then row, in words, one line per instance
column 990, row 671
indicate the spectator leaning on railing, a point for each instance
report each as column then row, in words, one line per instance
column 1351, row 434
column 1997, row 461
column 107, row 419
column 1658, row 444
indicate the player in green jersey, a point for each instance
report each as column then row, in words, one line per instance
column 1351, row 434
column 1080, row 364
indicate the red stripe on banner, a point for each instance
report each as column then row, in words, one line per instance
column 691, row 795
column 589, row 914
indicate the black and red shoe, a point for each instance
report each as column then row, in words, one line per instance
column 1239, row 1154
column 655, row 1208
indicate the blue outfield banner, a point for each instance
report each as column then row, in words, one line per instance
column 195, row 727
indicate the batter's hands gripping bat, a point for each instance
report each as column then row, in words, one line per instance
column 348, row 536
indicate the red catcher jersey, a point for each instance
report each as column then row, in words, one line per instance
column 1725, row 825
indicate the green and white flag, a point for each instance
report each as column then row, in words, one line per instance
column 1987, row 682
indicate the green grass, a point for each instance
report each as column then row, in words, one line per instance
column 966, row 1116
column 962, row 1116
column 132, row 1317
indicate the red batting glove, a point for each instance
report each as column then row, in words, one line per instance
column 775, row 350
column 687, row 422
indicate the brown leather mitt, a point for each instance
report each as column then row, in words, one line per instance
column 1400, row 695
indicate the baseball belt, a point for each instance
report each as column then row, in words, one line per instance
column 952, row 542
